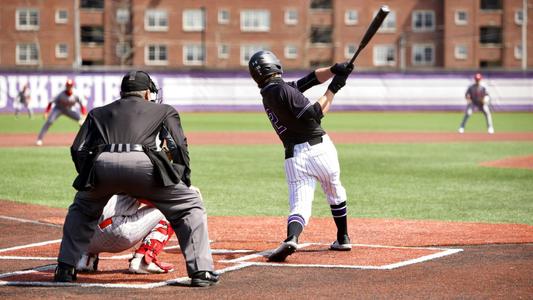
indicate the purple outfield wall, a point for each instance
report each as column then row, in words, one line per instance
column 235, row 91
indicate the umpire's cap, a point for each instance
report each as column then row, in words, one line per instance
column 137, row 81
column 263, row 65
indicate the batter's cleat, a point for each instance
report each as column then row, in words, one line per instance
column 286, row 248
column 88, row 263
column 204, row 279
column 461, row 130
column 39, row 143
column 65, row 273
column 490, row 130
column 342, row 244
column 138, row 265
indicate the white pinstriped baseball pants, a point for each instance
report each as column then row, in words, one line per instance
column 309, row 164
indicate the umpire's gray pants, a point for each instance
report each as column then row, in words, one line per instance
column 132, row 173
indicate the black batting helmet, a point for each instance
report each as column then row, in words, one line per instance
column 262, row 65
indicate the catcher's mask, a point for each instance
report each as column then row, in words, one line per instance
column 263, row 65
column 140, row 81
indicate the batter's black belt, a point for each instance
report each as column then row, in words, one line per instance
column 289, row 149
column 119, row 148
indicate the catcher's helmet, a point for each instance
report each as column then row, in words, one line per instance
column 262, row 65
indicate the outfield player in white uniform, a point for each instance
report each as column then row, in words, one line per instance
column 309, row 152
column 124, row 223
column 63, row 104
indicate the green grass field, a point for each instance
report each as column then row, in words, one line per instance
column 406, row 181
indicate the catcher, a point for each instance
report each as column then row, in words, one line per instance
column 124, row 223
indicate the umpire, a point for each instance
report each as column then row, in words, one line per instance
column 115, row 152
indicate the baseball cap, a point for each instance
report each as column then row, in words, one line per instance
column 69, row 83
column 137, row 81
column 478, row 76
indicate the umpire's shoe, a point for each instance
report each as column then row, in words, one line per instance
column 286, row 248
column 204, row 278
column 65, row 273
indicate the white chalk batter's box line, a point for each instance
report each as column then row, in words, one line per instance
column 240, row 263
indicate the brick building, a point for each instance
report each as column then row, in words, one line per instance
column 222, row 34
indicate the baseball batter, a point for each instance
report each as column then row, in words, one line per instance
column 310, row 155
column 63, row 104
column 23, row 100
column 477, row 96
column 124, row 223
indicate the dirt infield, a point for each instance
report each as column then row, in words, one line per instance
column 390, row 259
column 520, row 162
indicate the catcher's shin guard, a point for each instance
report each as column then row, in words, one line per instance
column 145, row 259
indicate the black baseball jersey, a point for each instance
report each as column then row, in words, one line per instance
column 294, row 118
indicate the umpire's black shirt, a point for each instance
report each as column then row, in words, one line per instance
column 131, row 120
column 294, row 118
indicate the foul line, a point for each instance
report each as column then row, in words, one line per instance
column 30, row 245
column 29, row 221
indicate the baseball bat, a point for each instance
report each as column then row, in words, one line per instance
column 372, row 29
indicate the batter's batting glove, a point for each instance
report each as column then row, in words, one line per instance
column 344, row 68
column 337, row 83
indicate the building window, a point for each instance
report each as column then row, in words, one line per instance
column 351, row 17
column 349, row 50
column 384, row 55
column 423, row 55
column 491, row 4
column 255, row 20
column 389, row 24
column 423, row 20
column 193, row 20
column 122, row 49
column 321, row 4
column 460, row 52
column 156, row 55
column 291, row 17
column 248, row 50
column 461, row 17
column 518, row 17
column 223, row 16
column 61, row 16
column 193, row 55
column 223, row 51
column 92, row 4
column 156, row 20
column 27, row 19
column 518, row 51
column 123, row 16
column 290, row 52
column 61, row 50
column 321, row 35
column 92, row 34
column 27, row 54
column 490, row 35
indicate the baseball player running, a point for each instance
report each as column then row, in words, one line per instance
column 63, row 104
column 310, row 155
column 23, row 99
column 124, row 223
column 477, row 96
